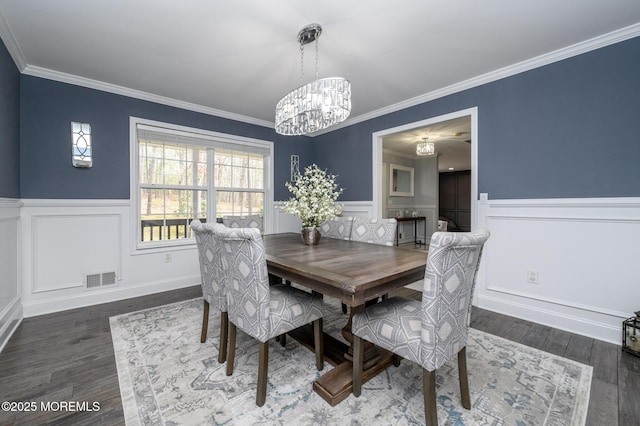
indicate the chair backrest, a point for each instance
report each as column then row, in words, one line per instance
column 209, row 256
column 337, row 227
column 243, row 260
column 449, row 281
column 250, row 221
column 374, row 231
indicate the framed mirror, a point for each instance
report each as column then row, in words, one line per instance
column 400, row 181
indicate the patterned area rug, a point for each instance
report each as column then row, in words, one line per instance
column 168, row 377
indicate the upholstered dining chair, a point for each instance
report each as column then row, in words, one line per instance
column 432, row 331
column 261, row 310
column 249, row 221
column 374, row 231
column 337, row 227
column 213, row 281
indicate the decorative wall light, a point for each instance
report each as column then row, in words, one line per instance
column 316, row 105
column 81, row 154
column 425, row 148
column 295, row 167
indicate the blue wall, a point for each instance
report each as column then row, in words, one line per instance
column 47, row 109
column 569, row 129
column 9, row 126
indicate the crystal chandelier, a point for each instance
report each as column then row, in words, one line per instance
column 425, row 148
column 316, row 105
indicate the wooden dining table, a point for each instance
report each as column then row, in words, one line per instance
column 352, row 272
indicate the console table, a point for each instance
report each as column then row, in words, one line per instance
column 415, row 221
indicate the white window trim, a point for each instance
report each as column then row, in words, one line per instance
column 188, row 243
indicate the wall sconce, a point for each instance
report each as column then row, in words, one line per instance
column 295, row 168
column 81, row 154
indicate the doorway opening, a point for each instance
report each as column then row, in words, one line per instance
column 455, row 131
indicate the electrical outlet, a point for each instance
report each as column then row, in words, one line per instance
column 400, row 236
column 532, row 276
column 168, row 257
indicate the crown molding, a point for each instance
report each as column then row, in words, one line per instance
column 137, row 94
column 11, row 44
column 595, row 43
column 527, row 65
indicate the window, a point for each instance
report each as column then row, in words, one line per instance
column 180, row 174
column 239, row 183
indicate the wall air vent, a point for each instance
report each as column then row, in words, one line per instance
column 100, row 279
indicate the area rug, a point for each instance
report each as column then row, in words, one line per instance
column 167, row 377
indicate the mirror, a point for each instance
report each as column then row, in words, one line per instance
column 400, row 181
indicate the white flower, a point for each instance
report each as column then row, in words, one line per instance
column 314, row 196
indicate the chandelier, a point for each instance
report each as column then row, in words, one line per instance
column 316, row 105
column 425, row 148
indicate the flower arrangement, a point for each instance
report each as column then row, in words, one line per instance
column 314, row 196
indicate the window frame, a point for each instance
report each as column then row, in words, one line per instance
column 216, row 139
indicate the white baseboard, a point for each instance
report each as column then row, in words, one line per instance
column 552, row 318
column 583, row 254
column 89, row 298
column 10, row 318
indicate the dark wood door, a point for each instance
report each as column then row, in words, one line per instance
column 455, row 198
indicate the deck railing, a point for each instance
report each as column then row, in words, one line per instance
column 165, row 229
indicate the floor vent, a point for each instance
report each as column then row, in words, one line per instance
column 100, row 280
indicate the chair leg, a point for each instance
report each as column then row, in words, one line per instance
column 430, row 408
column 464, row 378
column 358, row 354
column 205, row 322
column 263, row 366
column 232, row 348
column 318, row 340
column 224, row 336
column 283, row 340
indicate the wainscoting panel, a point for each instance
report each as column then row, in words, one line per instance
column 285, row 222
column 583, row 253
column 67, row 248
column 65, row 240
column 10, row 291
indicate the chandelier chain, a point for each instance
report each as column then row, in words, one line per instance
column 317, row 57
column 301, row 64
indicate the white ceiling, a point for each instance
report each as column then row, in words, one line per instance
column 241, row 57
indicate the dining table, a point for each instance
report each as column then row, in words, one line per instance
column 356, row 274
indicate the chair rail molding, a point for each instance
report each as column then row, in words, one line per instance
column 582, row 250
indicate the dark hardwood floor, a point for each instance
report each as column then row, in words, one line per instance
column 68, row 356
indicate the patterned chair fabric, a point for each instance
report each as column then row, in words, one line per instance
column 432, row 331
column 337, row 227
column 374, row 231
column 213, row 281
column 261, row 310
column 250, row 221
column 209, row 254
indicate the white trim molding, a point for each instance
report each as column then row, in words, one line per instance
column 601, row 41
column 11, row 313
column 582, row 252
column 52, row 283
column 377, row 157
